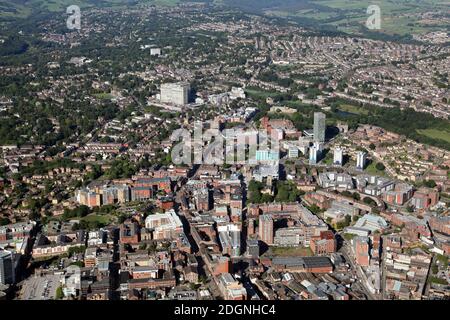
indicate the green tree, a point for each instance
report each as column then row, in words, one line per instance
column 59, row 293
column 430, row 183
column 4, row 221
column 76, row 250
column 347, row 220
column 369, row 201
column 266, row 198
column 434, row 268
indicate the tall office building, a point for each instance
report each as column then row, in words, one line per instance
column 338, row 157
column 361, row 160
column 7, row 275
column 319, row 127
column 313, row 154
column 319, row 146
column 176, row 93
column 266, row 228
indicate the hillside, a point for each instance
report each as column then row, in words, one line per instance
column 401, row 19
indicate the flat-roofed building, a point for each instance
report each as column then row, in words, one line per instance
column 165, row 225
column 7, row 268
column 302, row 264
column 266, row 228
column 324, row 244
column 253, row 248
column 338, row 157
column 319, row 127
column 176, row 93
column 361, row 250
column 230, row 288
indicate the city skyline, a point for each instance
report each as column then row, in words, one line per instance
column 224, row 156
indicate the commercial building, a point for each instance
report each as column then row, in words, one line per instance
column 336, row 180
column 230, row 288
column 7, row 268
column 373, row 185
column 269, row 172
column 203, row 199
column 425, row 198
column 141, row 189
column 164, row 225
column 130, row 233
column 319, row 127
column 57, row 245
column 291, row 236
column 266, row 228
column 361, row 249
column 88, row 198
column 361, row 160
column 230, row 241
column 176, row 93
column 313, row 155
column 216, row 263
column 367, row 224
column 16, row 231
column 302, row 264
column 253, row 248
column 401, row 193
column 141, row 193
column 339, row 209
column 338, row 157
column 323, row 244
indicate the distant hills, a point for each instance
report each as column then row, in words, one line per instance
column 399, row 17
column 23, row 8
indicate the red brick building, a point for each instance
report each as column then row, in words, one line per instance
column 324, row 244
column 361, row 248
column 129, row 233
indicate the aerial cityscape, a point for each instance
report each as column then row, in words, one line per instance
column 224, row 150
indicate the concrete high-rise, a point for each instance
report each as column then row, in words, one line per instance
column 319, row 127
column 266, row 228
column 176, row 93
column 7, row 274
column 338, row 157
column 313, row 154
column 360, row 160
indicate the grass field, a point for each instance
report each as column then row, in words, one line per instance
column 103, row 219
column 259, row 93
column 291, row 251
column 352, row 109
column 436, row 134
column 104, row 96
column 371, row 169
